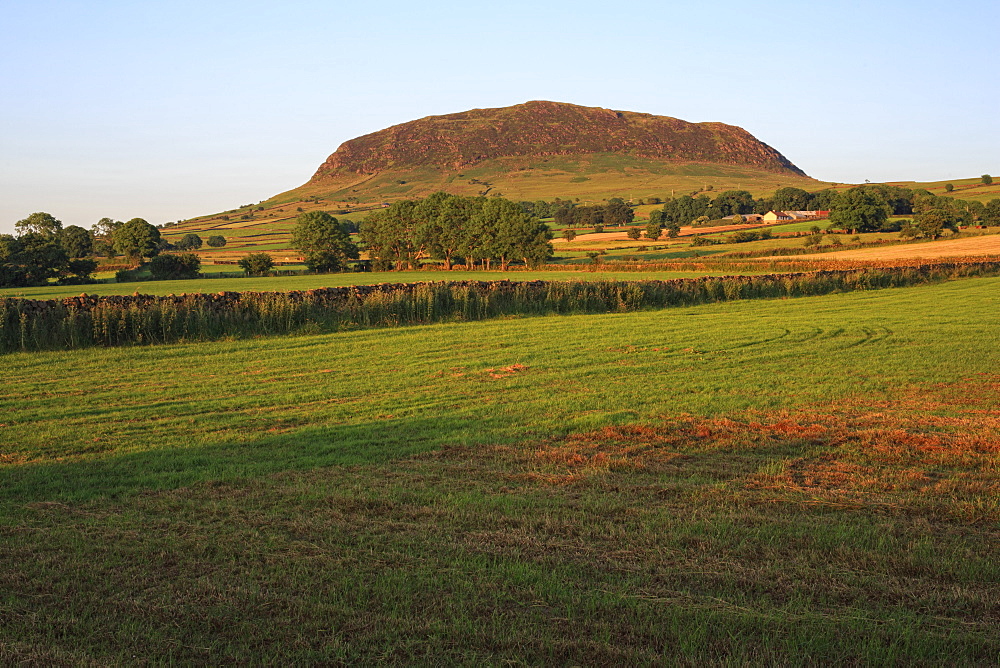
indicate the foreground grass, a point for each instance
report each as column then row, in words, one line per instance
column 788, row 481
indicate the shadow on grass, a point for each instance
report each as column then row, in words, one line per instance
column 123, row 474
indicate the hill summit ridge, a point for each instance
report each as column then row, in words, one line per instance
column 543, row 129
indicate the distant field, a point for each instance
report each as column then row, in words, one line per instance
column 971, row 188
column 789, row 482
column 963, row 247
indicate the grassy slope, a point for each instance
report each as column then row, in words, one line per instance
column 589, row 177
column 972, row 188
column 794, row 481
column 593, row 178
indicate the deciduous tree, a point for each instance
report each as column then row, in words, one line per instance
column 39, row 223
column 182, row 265
column 860, row 210
column 190, row 241
column 76, row 241
column 653, row 231
column 257, row 264
column 324, row 241
column 136, row 239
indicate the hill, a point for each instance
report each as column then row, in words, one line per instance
column 542, row 150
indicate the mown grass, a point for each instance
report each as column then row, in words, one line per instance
column 791, row 481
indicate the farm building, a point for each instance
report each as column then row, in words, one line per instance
column 774, row 216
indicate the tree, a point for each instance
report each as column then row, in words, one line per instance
column 733, row 201
column 101, row 232
column 948, row 187
column 189, row 241
column 183, row 265
column 987, row 179
column 568, row 234
column 39, row 223
column 326, row 244
column 991, row 212
column 441, row 223
column 509, row 233
column 31, row 259
column 936, row 214
column 76, row 241
column 860, row 210
column 388, row 236
column 257, row 264
column 618, row 213
column 653, row 230
column 634, row 233
column 216, row 241
column 104, row 228
column 789, row 199
column 136, row 239
column 79, row 271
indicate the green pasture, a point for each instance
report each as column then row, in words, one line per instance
column 784, row 482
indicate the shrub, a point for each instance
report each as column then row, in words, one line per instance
column 743, row 237
column 598, row 228
column 257, row 264
column 166, row 267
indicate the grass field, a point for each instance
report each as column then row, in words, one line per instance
column 794, row 481
column 943, row 248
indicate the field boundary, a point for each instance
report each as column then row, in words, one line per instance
column 90, row 320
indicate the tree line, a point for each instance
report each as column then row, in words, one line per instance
column 456, row 230
column 43, row 249
column 859, row 209
column 613, row 214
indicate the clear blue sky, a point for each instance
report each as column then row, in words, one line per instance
column 167, row 110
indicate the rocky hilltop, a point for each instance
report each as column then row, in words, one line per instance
column 543, row 129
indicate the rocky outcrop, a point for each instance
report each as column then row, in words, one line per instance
column 544, row 129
